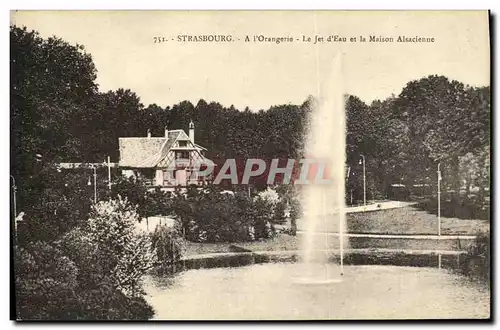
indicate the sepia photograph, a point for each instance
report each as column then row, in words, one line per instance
column 306, row 165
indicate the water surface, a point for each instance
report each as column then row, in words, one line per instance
column 271, row 292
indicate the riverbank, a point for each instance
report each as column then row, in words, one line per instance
column 395, row 221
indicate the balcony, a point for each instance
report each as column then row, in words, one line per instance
column 182, row 163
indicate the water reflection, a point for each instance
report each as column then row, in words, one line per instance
column 268, row 291
column 378, row 258
column 253, row 286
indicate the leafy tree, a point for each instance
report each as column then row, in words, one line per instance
column 135, row 192
column 54, row 202
column 52, row 86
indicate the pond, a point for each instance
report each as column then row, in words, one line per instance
column 275, row 291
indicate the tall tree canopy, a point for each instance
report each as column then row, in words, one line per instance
column 58, row 112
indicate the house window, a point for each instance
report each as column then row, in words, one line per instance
column 183, row 143
column 182, row 155
column 148, row 173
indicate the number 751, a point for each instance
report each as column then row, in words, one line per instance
column 159, row 39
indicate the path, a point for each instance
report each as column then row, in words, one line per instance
column 292, row 252
column 378, row 206
column 429, row 237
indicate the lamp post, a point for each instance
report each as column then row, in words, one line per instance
column 14, row 189
column 439, row 197
column 109, row 173
column 362, row 161
column 95, row 184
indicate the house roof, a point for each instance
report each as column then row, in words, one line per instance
column 148, row 152
column 140, row 152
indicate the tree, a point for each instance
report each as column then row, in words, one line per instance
column 135, row 192
column 52, row 86
column 54, row 202
column 427, row 105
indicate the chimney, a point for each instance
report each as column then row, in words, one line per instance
column 149, row 133
column 191, row 131
column 166, row 132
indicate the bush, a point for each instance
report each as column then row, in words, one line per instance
column 289, row 197
column 51, row 286
column 126, row 255
column 211, row 216
column 476, row 263
column 168, row 245
column 274, row 203
column 54, row 203
column 45, row 281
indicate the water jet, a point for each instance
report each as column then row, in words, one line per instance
column 323, row 204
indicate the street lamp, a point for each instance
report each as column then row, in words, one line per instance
column 95, row 184
column 109, row 173
column 14, row 190
column 362, row 162
column 439, row 197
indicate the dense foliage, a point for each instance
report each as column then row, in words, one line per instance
column 476, row 263
column 92, row 272
column 169, row 244
column 210, row 215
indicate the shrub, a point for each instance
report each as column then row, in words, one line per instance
column 476, row 263
column 211, row 216
column 126, row 255
column 279, row 213
column 45, row 281
column 262, row 219
column 273, row 200
column 289, row 196
column 168, row 245
column 51, row 286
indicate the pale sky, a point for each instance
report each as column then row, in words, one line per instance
column 259, row 75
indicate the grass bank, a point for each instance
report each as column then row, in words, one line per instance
column 403, row 221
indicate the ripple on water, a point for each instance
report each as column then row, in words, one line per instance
column 268, row 291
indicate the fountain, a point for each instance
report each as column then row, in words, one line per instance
column 306, row 290
column 323, row 203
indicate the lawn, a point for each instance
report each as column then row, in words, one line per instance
column 411, row 221
column 407, row 220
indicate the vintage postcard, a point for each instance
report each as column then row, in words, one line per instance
column 250, row 165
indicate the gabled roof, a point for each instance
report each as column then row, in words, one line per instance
column 141, row 152
column 148, row 152
column 178, row 134
column 199, row 147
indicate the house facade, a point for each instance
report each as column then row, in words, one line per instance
column 167, row 162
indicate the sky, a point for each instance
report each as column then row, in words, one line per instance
column 259, row 75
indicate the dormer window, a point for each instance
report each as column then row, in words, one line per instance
column 182, row 143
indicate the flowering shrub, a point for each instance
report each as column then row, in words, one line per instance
column 275, row 203
column 128, row 255
column 270, row 196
